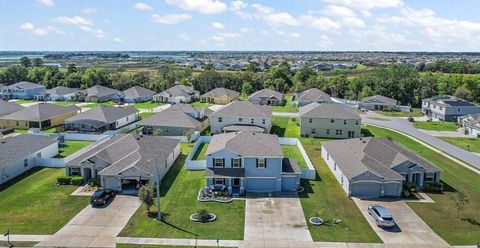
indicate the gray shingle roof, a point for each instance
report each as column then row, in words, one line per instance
column 138, row 91
column 219, row 92
column 379, row 99
column 17, row 147
column 243, row 109
column 328, row 110
column 25, row 85
column 9, row 107
column 122, row 152
column 449, row 101
column 246, row 144
column 179, row 90
column 265, row 93
column 40, row 112
column 174, row 116
column 60, row 90
column 104, row 114
column 376, row 155
column 101, row 91
column 314, row 94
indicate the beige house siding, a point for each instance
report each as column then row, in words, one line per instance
column 55, row 121
column 222, row 100
column 321, row 127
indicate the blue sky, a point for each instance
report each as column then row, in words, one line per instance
column 377, row 25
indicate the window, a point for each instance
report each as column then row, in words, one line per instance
column 25, row 162
column 356, row 122
column 328, row 156
column 342, row 179
column 252, row 121
column 17, row 123
column 334, row 166
column 74, row 171
column 328, row 131
column 127, row 118
column 310, row 120
column 440, row 107
column 236, row 163
column 344, row 122
column 263, row 121
column 240, row 119
column 218, row 181
column 339, row 132
column 313, row 131
column 261, row 163
column 459, row 109
column 332, row 121
column 218, row 162
column 39, row 155
column 220, row 119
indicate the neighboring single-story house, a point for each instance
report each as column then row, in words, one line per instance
column 98, row 93
column 380, row 103
column 376, row 167
column 177, row 94
column 101, row 119
column 471, row 123
column 241, row 116
column 21, row 90
column 250, row 162
column 220, row 96
column 448, row 108
column 125, row 161
column 136, row 94
column 177, row 120
column 18, row 154
column 59, row 93
column 9, row 107
column 41, row 115
column 310, row 96
column 267, row 97
column 329, row 120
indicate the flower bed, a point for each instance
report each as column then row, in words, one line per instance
column 316, row 221
column 203, row 196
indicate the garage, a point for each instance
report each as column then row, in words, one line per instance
column 111, row 182
column 365, row 189
column 289, row 183
column 261, row 184
column 392, row 189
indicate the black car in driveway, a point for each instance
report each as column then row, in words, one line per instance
column 101, row 197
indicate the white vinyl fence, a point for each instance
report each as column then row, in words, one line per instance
column 197, row 164
column 306, row 173
column 50, row 162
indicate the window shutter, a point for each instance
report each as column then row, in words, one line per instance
column 256, row 160
column 223, row 162
column 231, row 162
column 240, row 162
column 265, row 162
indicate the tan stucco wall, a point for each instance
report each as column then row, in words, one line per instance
column 55, row 121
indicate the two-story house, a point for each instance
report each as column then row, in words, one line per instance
column 329, row 120
column 250, row 162
column 21, row 90
column 241, row 116
column 448, row 108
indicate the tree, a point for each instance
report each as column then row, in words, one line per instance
column 94, row 76
column 366, row 91
column 253, row 67
column 461, row 201
column 37, row 62
column 71, row 68
column 25, row 62
column 146, row 194
column 247, row 88
column 208, row 67
column 15, row 74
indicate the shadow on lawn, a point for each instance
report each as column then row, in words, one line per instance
column 153, row 215
column 20, row 178
column 279, row 131
column 307, row 186
column 471, row 221
column 172, row 174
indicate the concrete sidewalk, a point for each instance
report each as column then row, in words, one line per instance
column 26, row 238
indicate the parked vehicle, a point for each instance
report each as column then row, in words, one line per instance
column 410, row 119
column 101, row 197
column 381, row 215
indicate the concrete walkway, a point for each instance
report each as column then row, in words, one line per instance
column 95, row 227
column 275, row 222
column 22, row 238
column 178, row 242
column 411, row 230
column 286, row 114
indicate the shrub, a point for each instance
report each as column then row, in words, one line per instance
column 203, row 215
column 94, row 182
column 64, row 180
column 77, row 181
column 433, row 187
column 406, row 193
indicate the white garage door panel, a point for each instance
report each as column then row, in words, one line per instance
column 392, row 189
column 365, row 189
column 112, row 183
column 261, row 184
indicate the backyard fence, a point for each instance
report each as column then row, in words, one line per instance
column 50, row 162
column 197, row 164
column 306, row 173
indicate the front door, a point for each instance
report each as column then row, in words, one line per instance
column 236, row 182
column 351, row 134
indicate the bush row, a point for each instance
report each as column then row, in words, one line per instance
column 66, row 180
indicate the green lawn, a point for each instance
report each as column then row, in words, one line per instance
column 294, row 152
column 179, row 199
column 198, row 104
column 63, row 103
column 472, row 143
column 94, row 105
column 287, row 107
column 70, row 147
column 416, row 112
column 324, row 197
column 33, row 204
column 18, row 243
column 441, row 216
column 200, row 152
column 145, row 115
column 25, row 101
column 147, row 105
column 21, row 131
column 286, row 127
column 436, row 125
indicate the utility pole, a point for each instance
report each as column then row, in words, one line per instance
column 159, row 214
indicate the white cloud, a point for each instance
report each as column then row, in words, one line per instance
column 171, row 18
column 237, row 5
column 142, row 6
column 280, row 32
column 265, row 32
column 75, row 20
column 89, row 10
column 246, row 30
column 324, row 41
column 368, row 4
column 295, row 35
column 275, row 18
column 322, row 23
column 366, row 13
column 27, row 26
column 218, row 25
column 97, row 32
column 117, row 39
column 40, row 31
column 184, row 36
column 202, row 6
column 221, row 37
column 340, row 11
column 353, row 22
column 49, row 3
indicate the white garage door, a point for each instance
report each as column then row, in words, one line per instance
column 365, row 189
column 392, row 189
column 111, row 183
column 261, row 184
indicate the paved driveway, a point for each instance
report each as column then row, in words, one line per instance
column 411, row 231
column 95, row 227
column 275, row 222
